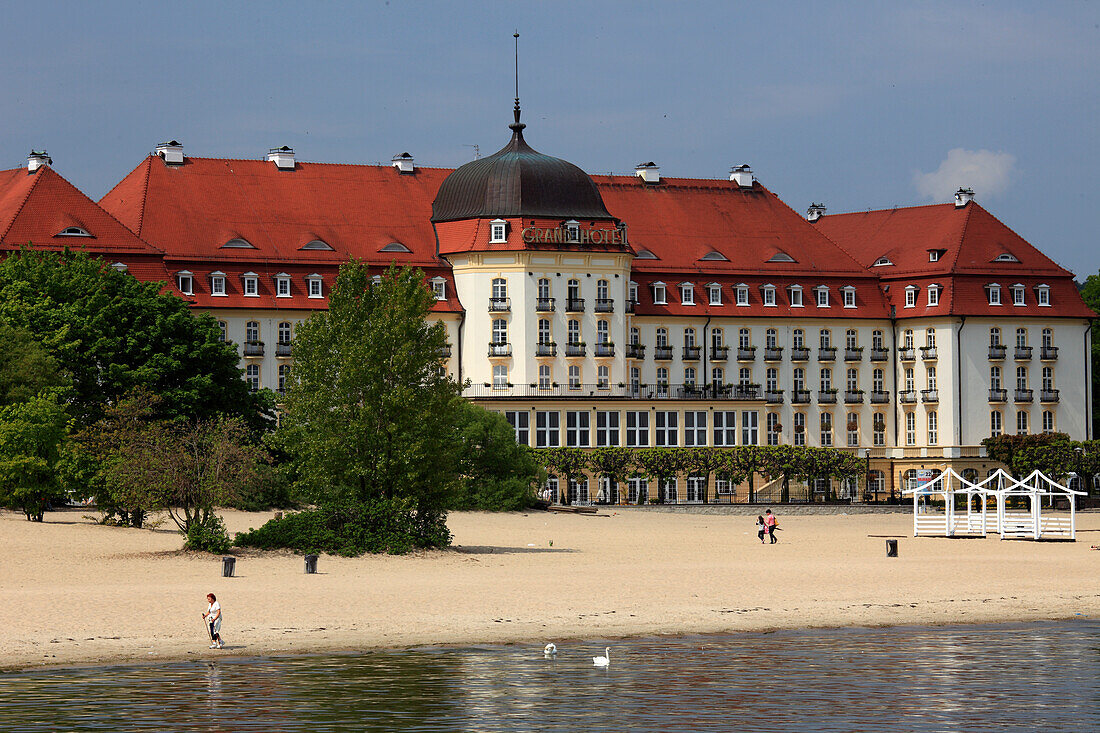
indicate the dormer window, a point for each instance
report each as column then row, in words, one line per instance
column 251, row 284
column 882, row 262
column 237, row 243
column 1018, row 295
column 315, row 286
column 120, row 266
column 1005, row 257
column 217, row 283
column 822, row 293
column 911, row 296
column 934, row 255
column 376, row 280
column 282, row 285
column 795, row 292
column 1042, row 295
column 317, row 244
column 994, row 291
column 498, row 231
column 687, row 294
column 73, row 232
column 439, row 288
column 934, row 294
column 742, row 294
column 395, row 247
column 714, row 293
column 572, row 231
column 714, row 256
column 781, row 257
column 632, row 292
column 660, row 294
column 849, row 294
column 185, row 282
column 767, row 293
column 645, row 254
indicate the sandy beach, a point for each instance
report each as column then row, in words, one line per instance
column 79, row 593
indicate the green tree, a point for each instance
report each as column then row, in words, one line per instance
column 496, row 473
column 702, row 461
column 369, row 415
column 613, row 463
column 111, row 333
column 661, row 465
column 566, row 463
column 26, row 368
column 780, row 461
column 1051, row 453
column 32, row 434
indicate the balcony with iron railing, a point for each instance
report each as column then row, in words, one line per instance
column 928, row 353
column 605, row 305
column 635, row 351
column 880, row 397
column 253, row 348
column 500, row 348
column 546, row 348
column 773, row 353
column 998, row 395
column 1048, row 353
column 1023, row 353
column 654, row 391
column 692, row 353
column 827, row 396
column 826, row 353
column 1025, row 395
column 283, row 348
column 500, row 305
column 445, row 351
column 662, row 353
column 742, row 391
column 800, row 354
column 575, row 349
column 853, row 353
column 773, row 396
column 544, row 305
column 719, row 353
column 907, row 396
column 746, row 353
column 880, row 354
column 929, row 395
column 998, row 351
column 853, row 396
column 800, row 396
column 574, row 305
column 1048, row 395
column 605, row 349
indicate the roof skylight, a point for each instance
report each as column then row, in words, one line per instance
column 73, row 232
column 237, row 243
column 395, row 247
column 882, row 261
column 715, row 255
column 645, row 254
column 1005, row 257
column 317, row 244
column 781, row 257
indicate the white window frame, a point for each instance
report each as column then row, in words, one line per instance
column 577, row 429
column 1042, row 295
column 637, row 429
column 217, row 284
column 821, row 296
column 768, row 295
column 911, row 296
column 282, row 281
column 1019, row 297
column 498, row 231
column 250, row 285
column 725, row 428
column 547, row 429
column 520, row 420
column 185, row 281
column 742, row 294
column 439, row 288
column 994, row 292
column 687, row 294
column 714, row 293
column 794, row 294
column 695, row 428
column 607, row 428
column 660, row 293
column 315, row 286
column 934, row 295
column 666, row 428
column 849, row 294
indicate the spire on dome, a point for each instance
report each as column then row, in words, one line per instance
column 517, row 126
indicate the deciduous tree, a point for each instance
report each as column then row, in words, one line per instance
column 32, row 434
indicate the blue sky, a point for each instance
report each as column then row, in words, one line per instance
column 858, row 105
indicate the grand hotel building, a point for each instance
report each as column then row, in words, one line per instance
column 635, row 310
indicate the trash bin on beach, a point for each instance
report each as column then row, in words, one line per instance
column 891, row 548
column 311, row 564
column 229, row 564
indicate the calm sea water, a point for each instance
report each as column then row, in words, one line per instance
column 1043, row 677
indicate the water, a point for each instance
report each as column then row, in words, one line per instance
column 1020, row 677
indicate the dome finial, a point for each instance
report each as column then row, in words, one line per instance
column 517, row 126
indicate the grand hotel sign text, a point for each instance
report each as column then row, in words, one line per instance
column 558, row 235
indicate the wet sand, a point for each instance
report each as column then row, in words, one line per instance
column 79, row 593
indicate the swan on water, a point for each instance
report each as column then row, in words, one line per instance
column 603, row 661
column 549, row 650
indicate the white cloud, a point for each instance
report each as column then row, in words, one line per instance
column 988, row 173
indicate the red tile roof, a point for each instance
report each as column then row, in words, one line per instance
column 968, row 240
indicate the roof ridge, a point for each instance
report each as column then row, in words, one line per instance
column 1023, row 239
column 891, row 209
column 857, row 263
column 962, row 238
column 23, row 203
column 108, row 213
column 379, row 165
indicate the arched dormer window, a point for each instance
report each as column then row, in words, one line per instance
column 645, row 254
column 714, row 256
column 882, row 262
column 781, row 257
column 238, row 243
column 498, row 231
column 395, row 247
column 317, row 244
column 73, row 232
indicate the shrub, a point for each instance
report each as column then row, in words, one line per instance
column 209, row 536
column 380, row 525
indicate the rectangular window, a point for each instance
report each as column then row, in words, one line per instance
column 315, row 287
column 750, row 427
column 576, row 429
column 769, row 296
column 520, row 422
column 725, row 429
column 799, row 419
column 849, row 297
column 933, row 428
column 217, row 286
column 796, row 297
column 1018, row 296
column 910, row 297
column 879, row 426
column 500, row 376
column 1021, row 423
column 826, row 429
column 547, row 430
column 853, row 430
column 660, row 296
column 742, row 295
column 910, row 428
column 439, row 289
column 822, row 297
column 250, row 287
column 666, row 429
column 282, row 287
column 186, row 284
column 687, row 294
column 607, row 429
column 995, row 426
column 994, row 295
column 637, row 429
column 934, row 295
column 1043, row 294
column 695, row 428
column 715, row 292
column 1048, row 421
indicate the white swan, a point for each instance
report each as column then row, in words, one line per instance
column 604, row 661
column 549, row 650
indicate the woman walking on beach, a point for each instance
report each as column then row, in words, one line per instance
column 213, row 618
column 761, row 529
column 770, row 524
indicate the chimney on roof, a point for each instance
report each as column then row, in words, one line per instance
column 815, row 212
column 171, row 152
column 404, row 163
column 649, row 172
column 37, row 159
column 741, row 175
column 283, row 157
column 963, row 197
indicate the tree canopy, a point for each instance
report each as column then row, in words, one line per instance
column 32, row 434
